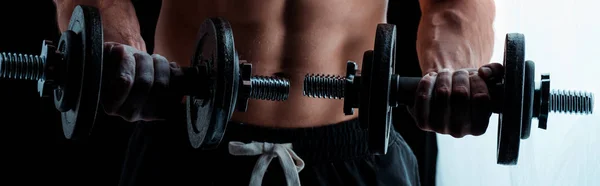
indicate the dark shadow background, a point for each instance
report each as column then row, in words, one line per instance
column 34, row 151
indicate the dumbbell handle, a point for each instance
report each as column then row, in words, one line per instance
column 189, row 81
column 403, row 90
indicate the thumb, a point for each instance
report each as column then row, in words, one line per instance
column 492, row 72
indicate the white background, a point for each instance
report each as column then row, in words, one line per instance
column 563, row 38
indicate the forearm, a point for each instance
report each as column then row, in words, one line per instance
column 455, row 34
column 119, row 20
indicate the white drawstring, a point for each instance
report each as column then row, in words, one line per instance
column 290, row 162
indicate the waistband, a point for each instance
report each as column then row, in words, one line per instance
column 339, row 141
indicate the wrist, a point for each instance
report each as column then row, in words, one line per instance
column 453, row 38
column 123, row 36
column 443, row 48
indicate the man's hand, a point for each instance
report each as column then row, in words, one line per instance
column 456, row 102
column 136, row 84
column 454, row 39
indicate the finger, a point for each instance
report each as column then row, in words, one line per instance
column 440, row 103
column 120, row 75
column 460, row 104
column 173, row 65
column 481, row 108
column 108, row 47
column 112, row 60
column 113, row 57
column 144, row 78
column 158, row 91
column 492, row 72
column 423, row 96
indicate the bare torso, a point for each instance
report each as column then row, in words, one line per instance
column 292, row 38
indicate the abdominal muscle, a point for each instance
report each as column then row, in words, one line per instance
column 287, row 38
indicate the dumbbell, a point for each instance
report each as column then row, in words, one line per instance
column 227, row 88
column 517, row 99
column 214, row 85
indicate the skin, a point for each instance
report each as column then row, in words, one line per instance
column 295, row 38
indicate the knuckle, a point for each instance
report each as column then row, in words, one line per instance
column 422, row 97
column 173, row 65
column 144, row 80
column 120, row 51
column 473, row 74
column 142, row 57
column 122, row 56
column 118, row 48
column 108, row 47
column 141, row 60
column 159, row 58
column 481, row 97
column 496, row 66
column 125, row 80
column 427, row 81
column 442, row 91
column 461, row 91
column 161, row 82
column 461, row 72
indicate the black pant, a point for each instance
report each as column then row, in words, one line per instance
column 333, row 155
